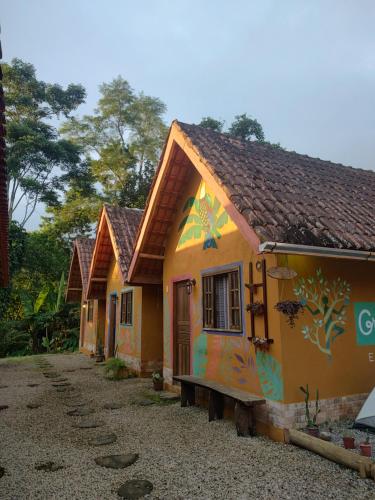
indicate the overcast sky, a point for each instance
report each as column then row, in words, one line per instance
column 304, row 69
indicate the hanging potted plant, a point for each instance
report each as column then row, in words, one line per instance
column 366, row 448
column 158, row 381
column 256, row 308
column 291, row 309
column 348, row 440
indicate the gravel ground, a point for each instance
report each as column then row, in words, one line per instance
column 182, row 454
column 339, row 429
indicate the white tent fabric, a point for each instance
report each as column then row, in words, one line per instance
column 366, row 417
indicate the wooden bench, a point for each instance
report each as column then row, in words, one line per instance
column 244, row 401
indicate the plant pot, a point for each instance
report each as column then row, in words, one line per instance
column 99, row 358
column 313, row 431
column 365, row 449
column 158, row 385
column 349, row 443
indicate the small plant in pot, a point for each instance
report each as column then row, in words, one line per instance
column 115, row 369
column 158, row 381
column 256, row 308
column 312, row 427
column 348, row 440
column 366, row 448
column 291, row 309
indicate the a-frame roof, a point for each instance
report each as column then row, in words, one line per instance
column 79, row 269
column 116, row 233
column 271, row 194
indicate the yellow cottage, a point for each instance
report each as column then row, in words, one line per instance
column 90, row 328
column 130, row 332
column 267, row 263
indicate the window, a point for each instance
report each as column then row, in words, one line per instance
column 221, row 301
column 127, row 308
column 90, row 310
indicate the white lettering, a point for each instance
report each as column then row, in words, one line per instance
column 366, row 325
column 371, row 357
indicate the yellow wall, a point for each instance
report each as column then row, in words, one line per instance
column 229, row 359
column 89, row 329
column 344, row 367
column 139, row 344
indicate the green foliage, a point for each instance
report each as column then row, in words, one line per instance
column 34, row 150
column 115, row 369
column 212, row 124
column 246, row 128
column 270, row 377
column 311, row 420
column 12, row 341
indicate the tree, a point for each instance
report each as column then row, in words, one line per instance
column 246, row 128
column 212, row 124
column 122, row 141
column 34, row 149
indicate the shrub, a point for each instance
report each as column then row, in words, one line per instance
column 116, row 369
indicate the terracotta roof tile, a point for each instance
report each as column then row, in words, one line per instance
column 85, row 248
column 288, row 197
column 124, row 223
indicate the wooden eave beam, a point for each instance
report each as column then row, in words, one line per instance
column 150, row 256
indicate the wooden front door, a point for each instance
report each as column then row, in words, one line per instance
column 112, row 326
column 181, row 334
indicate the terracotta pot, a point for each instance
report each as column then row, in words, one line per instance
column 99, row 358
column 158, row 385
column 349, row 443
column 365, row 449
column 313, row 431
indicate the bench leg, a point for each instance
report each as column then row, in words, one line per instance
column 187, row 394
column 215, row 405
column 244, row 419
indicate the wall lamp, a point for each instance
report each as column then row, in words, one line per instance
column 189, row 286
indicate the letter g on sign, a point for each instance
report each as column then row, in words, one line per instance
column 364, row 313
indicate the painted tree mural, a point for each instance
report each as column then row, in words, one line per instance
column 270, row 376
column 204, row 217
column 327, row 303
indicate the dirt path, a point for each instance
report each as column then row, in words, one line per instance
column 180, row 453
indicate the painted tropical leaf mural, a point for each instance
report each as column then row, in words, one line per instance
column 269, row 373
column 206, row 219
column 200, row 355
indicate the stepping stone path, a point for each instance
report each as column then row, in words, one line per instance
column 3, row 386
column 32, row 385
column 3, row 407
column 117, row 461
column 86, row 368
column 51, row 374
column 80, row 412
column 71, row 370
column 59, row 379
column 48, row 466
column 146, row 402
column 68, row 388
column 33, row 406
column 135, row 488
column 2, row 471
column 169, row 396
column 103, row 439
column 75, row 403
column 113, row 406
column 61, row 384
column 88, row 424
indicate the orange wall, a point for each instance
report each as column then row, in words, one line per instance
column 347, row 368
column 226, row 358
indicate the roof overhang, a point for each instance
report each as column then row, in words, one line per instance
column 74, row 285
column 104, row 250
column 337, row 253
column 178, row 159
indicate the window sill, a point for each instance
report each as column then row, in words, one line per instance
column 126, row 324
column 229, row 333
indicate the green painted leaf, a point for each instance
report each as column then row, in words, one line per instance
column 188, row 219
column 200, row 355
column 270, row 377
column 192, row 233
column 189, row 203
column 223, row 219
column 216, row 206
column 209, row 200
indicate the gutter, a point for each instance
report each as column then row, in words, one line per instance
column 337, row 253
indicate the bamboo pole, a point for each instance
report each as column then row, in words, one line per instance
column 364, row 465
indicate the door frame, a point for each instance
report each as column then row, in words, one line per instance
column 112, row 296
column 174, row 282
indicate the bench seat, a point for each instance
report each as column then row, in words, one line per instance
column 244, row 401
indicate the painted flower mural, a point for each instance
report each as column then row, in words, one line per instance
column 204, row 217
column 327, row 303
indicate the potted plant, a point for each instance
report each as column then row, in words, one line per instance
column 116, row 369
column 366, row 449
column 158, row 381
column 349, row 441
column 256, row 308
column 99, row 357
column 291, row 309
column 312, row 427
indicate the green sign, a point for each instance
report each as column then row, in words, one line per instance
column 364, row 313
